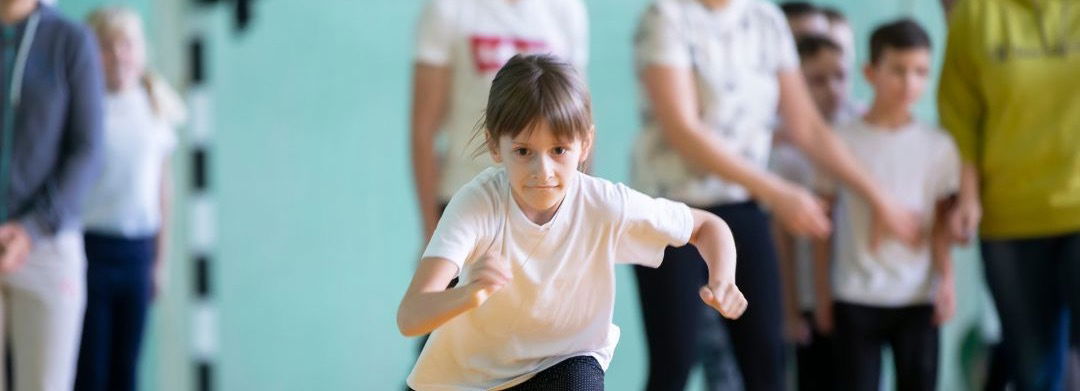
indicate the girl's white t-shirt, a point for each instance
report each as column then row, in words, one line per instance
column 559, row 303
column 917, row 165
column 736, row 54
column 474, row 38
column 126, row 198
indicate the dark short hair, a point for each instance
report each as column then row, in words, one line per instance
column 534, row 89
column 795, row 9
column 810, row 45
column 834, row 15
column 901, row 34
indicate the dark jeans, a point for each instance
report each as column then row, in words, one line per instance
column 581, row 373
column 672, row 309
column 816, row 368
column 1036, row 288
column 861, row 332
column 118, row 281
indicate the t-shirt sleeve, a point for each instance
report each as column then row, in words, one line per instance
column 660, row 39
column 948, row 161
column 434, row 34
column 783, row 42
column 648, row 225
column 459, row 235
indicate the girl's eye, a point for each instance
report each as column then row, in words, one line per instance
column 521, row 151
column 559, row 150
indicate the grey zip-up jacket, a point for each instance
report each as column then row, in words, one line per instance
column 57, row 133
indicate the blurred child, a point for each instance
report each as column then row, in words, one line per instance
column 886, row 293
column 821, row 62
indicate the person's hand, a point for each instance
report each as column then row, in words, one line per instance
column 15, row 246
column 964, row 219
column 724, row 297
column 944, row 301
column 892, row 220
column 489, row 274
column 796, row 330
column 799, row 211
column 823, row 317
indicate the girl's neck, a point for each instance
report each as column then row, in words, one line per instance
column 887, row 117
column 538, row 217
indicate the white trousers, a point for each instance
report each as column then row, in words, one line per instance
column 41, row 314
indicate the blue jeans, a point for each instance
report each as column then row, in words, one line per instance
column 1036, row 288
column 118, row 280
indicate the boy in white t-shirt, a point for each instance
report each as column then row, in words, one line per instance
column 822, row 66
column 889, row 293
column 535, row 243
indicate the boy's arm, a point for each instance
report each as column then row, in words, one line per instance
column 428, row 303
column 941, row 257
column 713, row 239
column 785, row 244
column 964, row 219
column 823, row 300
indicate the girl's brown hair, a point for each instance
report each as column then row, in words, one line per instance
column 534, row 89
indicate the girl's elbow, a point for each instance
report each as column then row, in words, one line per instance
column 404, row 324
column 406, row 328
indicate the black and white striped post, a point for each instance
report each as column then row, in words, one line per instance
column 203, row 218
column 203, row 222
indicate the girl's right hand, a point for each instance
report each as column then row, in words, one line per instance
column 800, row 211
column 489, row 274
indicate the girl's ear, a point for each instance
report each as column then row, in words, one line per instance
column 493, row 148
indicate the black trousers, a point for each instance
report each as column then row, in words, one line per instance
column 581, row 373
column 672, row 309
column 861, row 332
column 815, row 360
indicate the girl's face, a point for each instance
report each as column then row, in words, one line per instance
column 540, row 167
column 123, row 57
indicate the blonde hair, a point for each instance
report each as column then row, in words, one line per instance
column 163, row 98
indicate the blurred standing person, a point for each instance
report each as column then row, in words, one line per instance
column 715, row 74
column 127, row 210
column 822, row 64
column 1008, row 95
column 50, row 121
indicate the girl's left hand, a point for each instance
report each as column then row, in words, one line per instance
column 725, row 297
